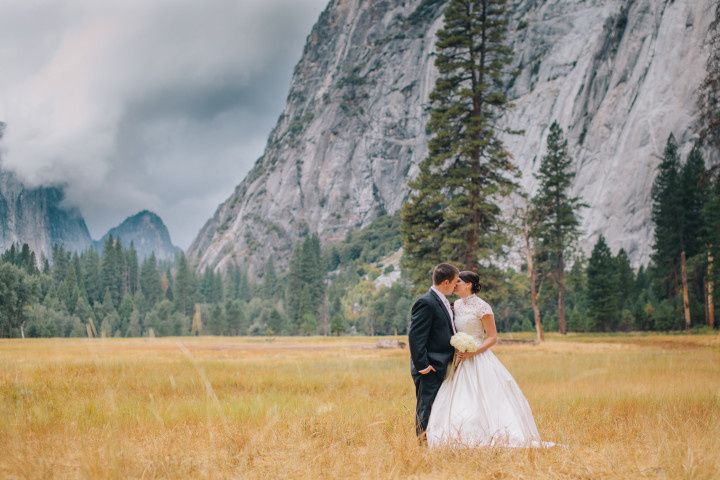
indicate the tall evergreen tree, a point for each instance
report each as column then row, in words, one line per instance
column 558, row 226
column 711, row 238
column 236, row 319
column 692, row 193
column 305, row 285
column 184, row 287
column 150, row 282
column 16, row 293
column 121, row 262
column 625, row 280
column 678, row 197
column 112, row 270
column 452, row 211
column 90, row 261
column 133, row 269
column 602, row 294
column 27, row 260
column 666, row 212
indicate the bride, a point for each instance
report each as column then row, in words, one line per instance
column 480, row 404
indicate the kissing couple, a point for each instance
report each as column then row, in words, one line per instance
column 478, row 403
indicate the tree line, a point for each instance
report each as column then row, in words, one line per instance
column 113, row 294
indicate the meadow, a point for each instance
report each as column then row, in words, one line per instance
column 623, row 406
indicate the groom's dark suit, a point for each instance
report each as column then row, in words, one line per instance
column 429, row 338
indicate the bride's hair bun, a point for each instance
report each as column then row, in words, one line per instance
column 471, row 277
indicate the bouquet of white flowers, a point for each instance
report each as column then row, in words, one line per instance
column 462, row 343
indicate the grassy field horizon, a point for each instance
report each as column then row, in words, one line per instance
column 624, row 406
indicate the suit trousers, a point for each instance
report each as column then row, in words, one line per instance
column 426, row 389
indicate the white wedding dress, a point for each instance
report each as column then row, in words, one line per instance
column 481, row 404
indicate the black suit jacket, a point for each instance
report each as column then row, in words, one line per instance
column 429, row 334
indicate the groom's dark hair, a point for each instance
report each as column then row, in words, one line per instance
column 442, row 272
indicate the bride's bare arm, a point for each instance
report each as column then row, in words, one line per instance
column 491, row 336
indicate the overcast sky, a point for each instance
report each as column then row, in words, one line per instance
column 135, row 104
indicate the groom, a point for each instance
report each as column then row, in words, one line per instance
column 431, row 326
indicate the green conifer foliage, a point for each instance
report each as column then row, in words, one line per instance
column 452, row 212
column 602, row 294
column 556, row 210
column 666, row 214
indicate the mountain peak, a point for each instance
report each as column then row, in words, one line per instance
column 147, row 231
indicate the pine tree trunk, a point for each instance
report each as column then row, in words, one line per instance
column 562, row 328
column 710, row 290
column 707, row 312
column 539, row 334
column 325, row 316
column 561, row 296
column 686, row 297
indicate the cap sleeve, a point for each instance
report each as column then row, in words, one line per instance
column 483, row 308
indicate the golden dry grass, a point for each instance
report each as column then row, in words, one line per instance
column 645, row 406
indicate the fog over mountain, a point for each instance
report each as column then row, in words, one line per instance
column 135, row 105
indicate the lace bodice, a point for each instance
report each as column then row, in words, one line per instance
column 468, row 313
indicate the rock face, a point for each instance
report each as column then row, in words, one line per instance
column 618, row 75
column 36, row 217
column 147, row 232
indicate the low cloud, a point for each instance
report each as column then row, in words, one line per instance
column 162, row 105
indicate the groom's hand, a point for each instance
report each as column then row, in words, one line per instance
column 427, row 370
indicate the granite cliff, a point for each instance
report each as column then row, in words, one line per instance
column 619, row 76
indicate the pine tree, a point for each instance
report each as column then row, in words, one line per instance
column 235, row 316
column 108, row 314
column 16, row 294
column 133, row 269
column 602, row 295
column 625, row 280
column 150, row 282
column 711, row 238
column 68, row 288
column 27, row 260
column 275, row 321
column 666, row 212
column 294, row 285
column 337, row 318
column 112, row 272
column 10, row 255
column 452, row 211
column 558, row 225
column 692, row 191
column 184, row 286
column 125, row 310
column 314, row 271
column 678, row 197
column 90, row 262
column 121, row 262
column 305, row 290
